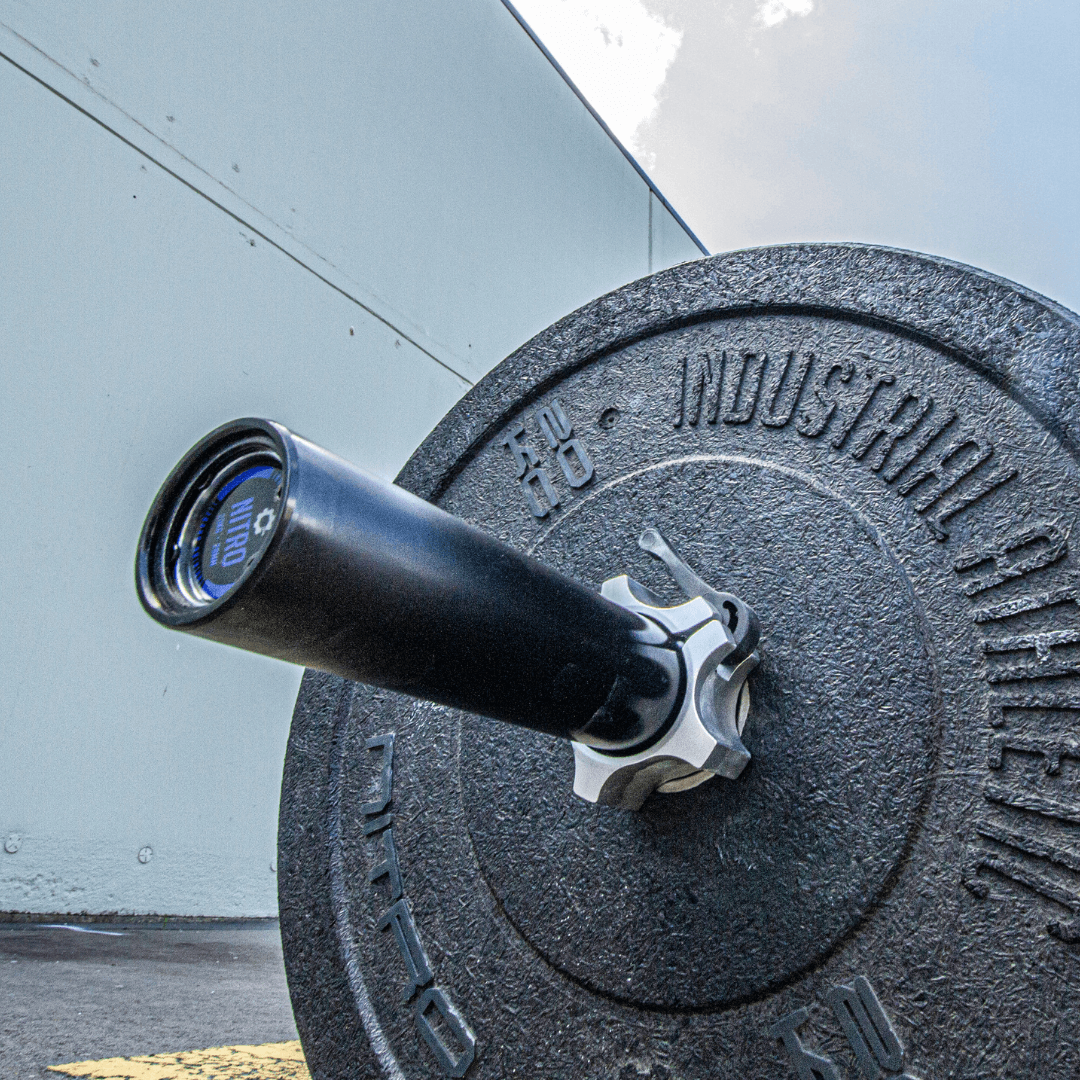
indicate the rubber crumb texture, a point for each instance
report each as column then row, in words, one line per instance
column 271, row 1061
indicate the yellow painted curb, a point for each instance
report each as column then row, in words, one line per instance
column 271, row 1061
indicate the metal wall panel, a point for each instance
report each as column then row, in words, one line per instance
column 419, row 191
column 379, row 142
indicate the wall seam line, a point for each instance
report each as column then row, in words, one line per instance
column 261, row 233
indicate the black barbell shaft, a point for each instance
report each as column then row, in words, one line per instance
column 335, row 569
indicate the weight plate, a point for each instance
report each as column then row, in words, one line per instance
column 878, row 451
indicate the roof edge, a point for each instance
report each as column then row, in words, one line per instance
column 600, row 120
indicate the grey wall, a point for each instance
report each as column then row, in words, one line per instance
column 335, row 215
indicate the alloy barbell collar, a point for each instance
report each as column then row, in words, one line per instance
column 704, row 739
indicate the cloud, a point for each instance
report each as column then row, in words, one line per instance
column 617, row 53
column 774, row 12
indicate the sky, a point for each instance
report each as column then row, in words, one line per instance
column 946, row 126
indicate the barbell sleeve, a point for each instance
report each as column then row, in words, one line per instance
column 262, row 540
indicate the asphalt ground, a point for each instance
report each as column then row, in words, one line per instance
column 108, row 990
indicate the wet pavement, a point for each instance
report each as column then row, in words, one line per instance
column 100, row 990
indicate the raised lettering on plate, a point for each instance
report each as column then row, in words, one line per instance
column 867, row 1028
column 417, row 966
column 807, row 1065
column 454, row 1061
column 388, row 868
column 1021, row 551
column 385, row 743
